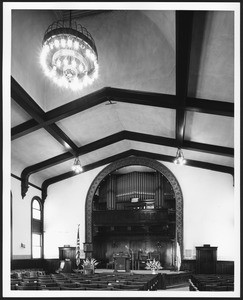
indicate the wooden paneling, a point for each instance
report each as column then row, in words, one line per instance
column 27, row 264
column 68, row 253
column 109, row 244
column 51, row 265
column 222, row 267
column 206, row 261
column 225, row 267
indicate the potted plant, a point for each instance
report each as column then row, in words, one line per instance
column 89, row 265
column 153, row 265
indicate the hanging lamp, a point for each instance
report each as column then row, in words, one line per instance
column 179, row 160
column 76, row 167
column 69, row 56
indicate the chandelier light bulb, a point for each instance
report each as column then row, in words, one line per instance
column 65, row 61
column 92, row 56
column 56, row 43
column 69, row 56
column 69, row 43
column 74, row 63
column 81, row 68
column 88, row 52
column 59, row 63
column 63, row 43
column 76, row 45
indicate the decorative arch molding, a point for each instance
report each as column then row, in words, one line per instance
column 134, row 160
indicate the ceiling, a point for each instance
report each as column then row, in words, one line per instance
column 166, row 80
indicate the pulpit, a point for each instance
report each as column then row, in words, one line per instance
column 206, row 260
column 121, row 262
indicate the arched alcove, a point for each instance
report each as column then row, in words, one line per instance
column 141, row 161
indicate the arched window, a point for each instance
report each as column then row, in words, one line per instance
column 36, row 228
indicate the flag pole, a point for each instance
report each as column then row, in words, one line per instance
column 78, row 249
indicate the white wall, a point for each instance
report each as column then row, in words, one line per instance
column 64, row 210
column 208, row 209
column 21, row 214
column 208, row 212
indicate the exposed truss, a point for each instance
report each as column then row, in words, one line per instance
column 128, row 153
column 179, row 102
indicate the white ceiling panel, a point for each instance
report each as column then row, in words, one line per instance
column 171, row 151
column 209, row 158
column 86, row 159
column 191, row 155
column 104, row 120
column 212, row 56
column 92, row 124
column 18, row 115
column 52, row 172
column 210, row 129
column 35, row 147
column 105, row 152
column 146, row 119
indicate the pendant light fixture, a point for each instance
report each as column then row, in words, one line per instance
column 76, row 167
column 69, row 56
column 179, row 160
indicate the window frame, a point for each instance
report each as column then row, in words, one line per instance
column 40, row 232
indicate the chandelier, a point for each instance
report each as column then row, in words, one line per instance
column 69, row 55
column 76, row 167
column 179, row 160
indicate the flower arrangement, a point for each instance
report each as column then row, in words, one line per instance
column 89, row 263
column 153, row 265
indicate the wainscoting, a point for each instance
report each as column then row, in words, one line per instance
column 223, row 267
column 27, row 264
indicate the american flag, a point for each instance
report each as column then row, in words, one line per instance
column 78, row 249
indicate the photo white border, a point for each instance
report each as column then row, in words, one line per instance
column 7, row 7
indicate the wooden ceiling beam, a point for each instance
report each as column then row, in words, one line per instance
column 24, row 128
column 184, row 22
column 215, row 107
column 118, row 95
column 117, row 137
column 114, row 138
column 143, row 98
column 91, row 100
column 86, row 168
column 132, row 152
column 207, row 148
column 23, row 99
column 67, row 156
column 43, row 120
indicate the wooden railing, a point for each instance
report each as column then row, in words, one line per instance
column 119, row 217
